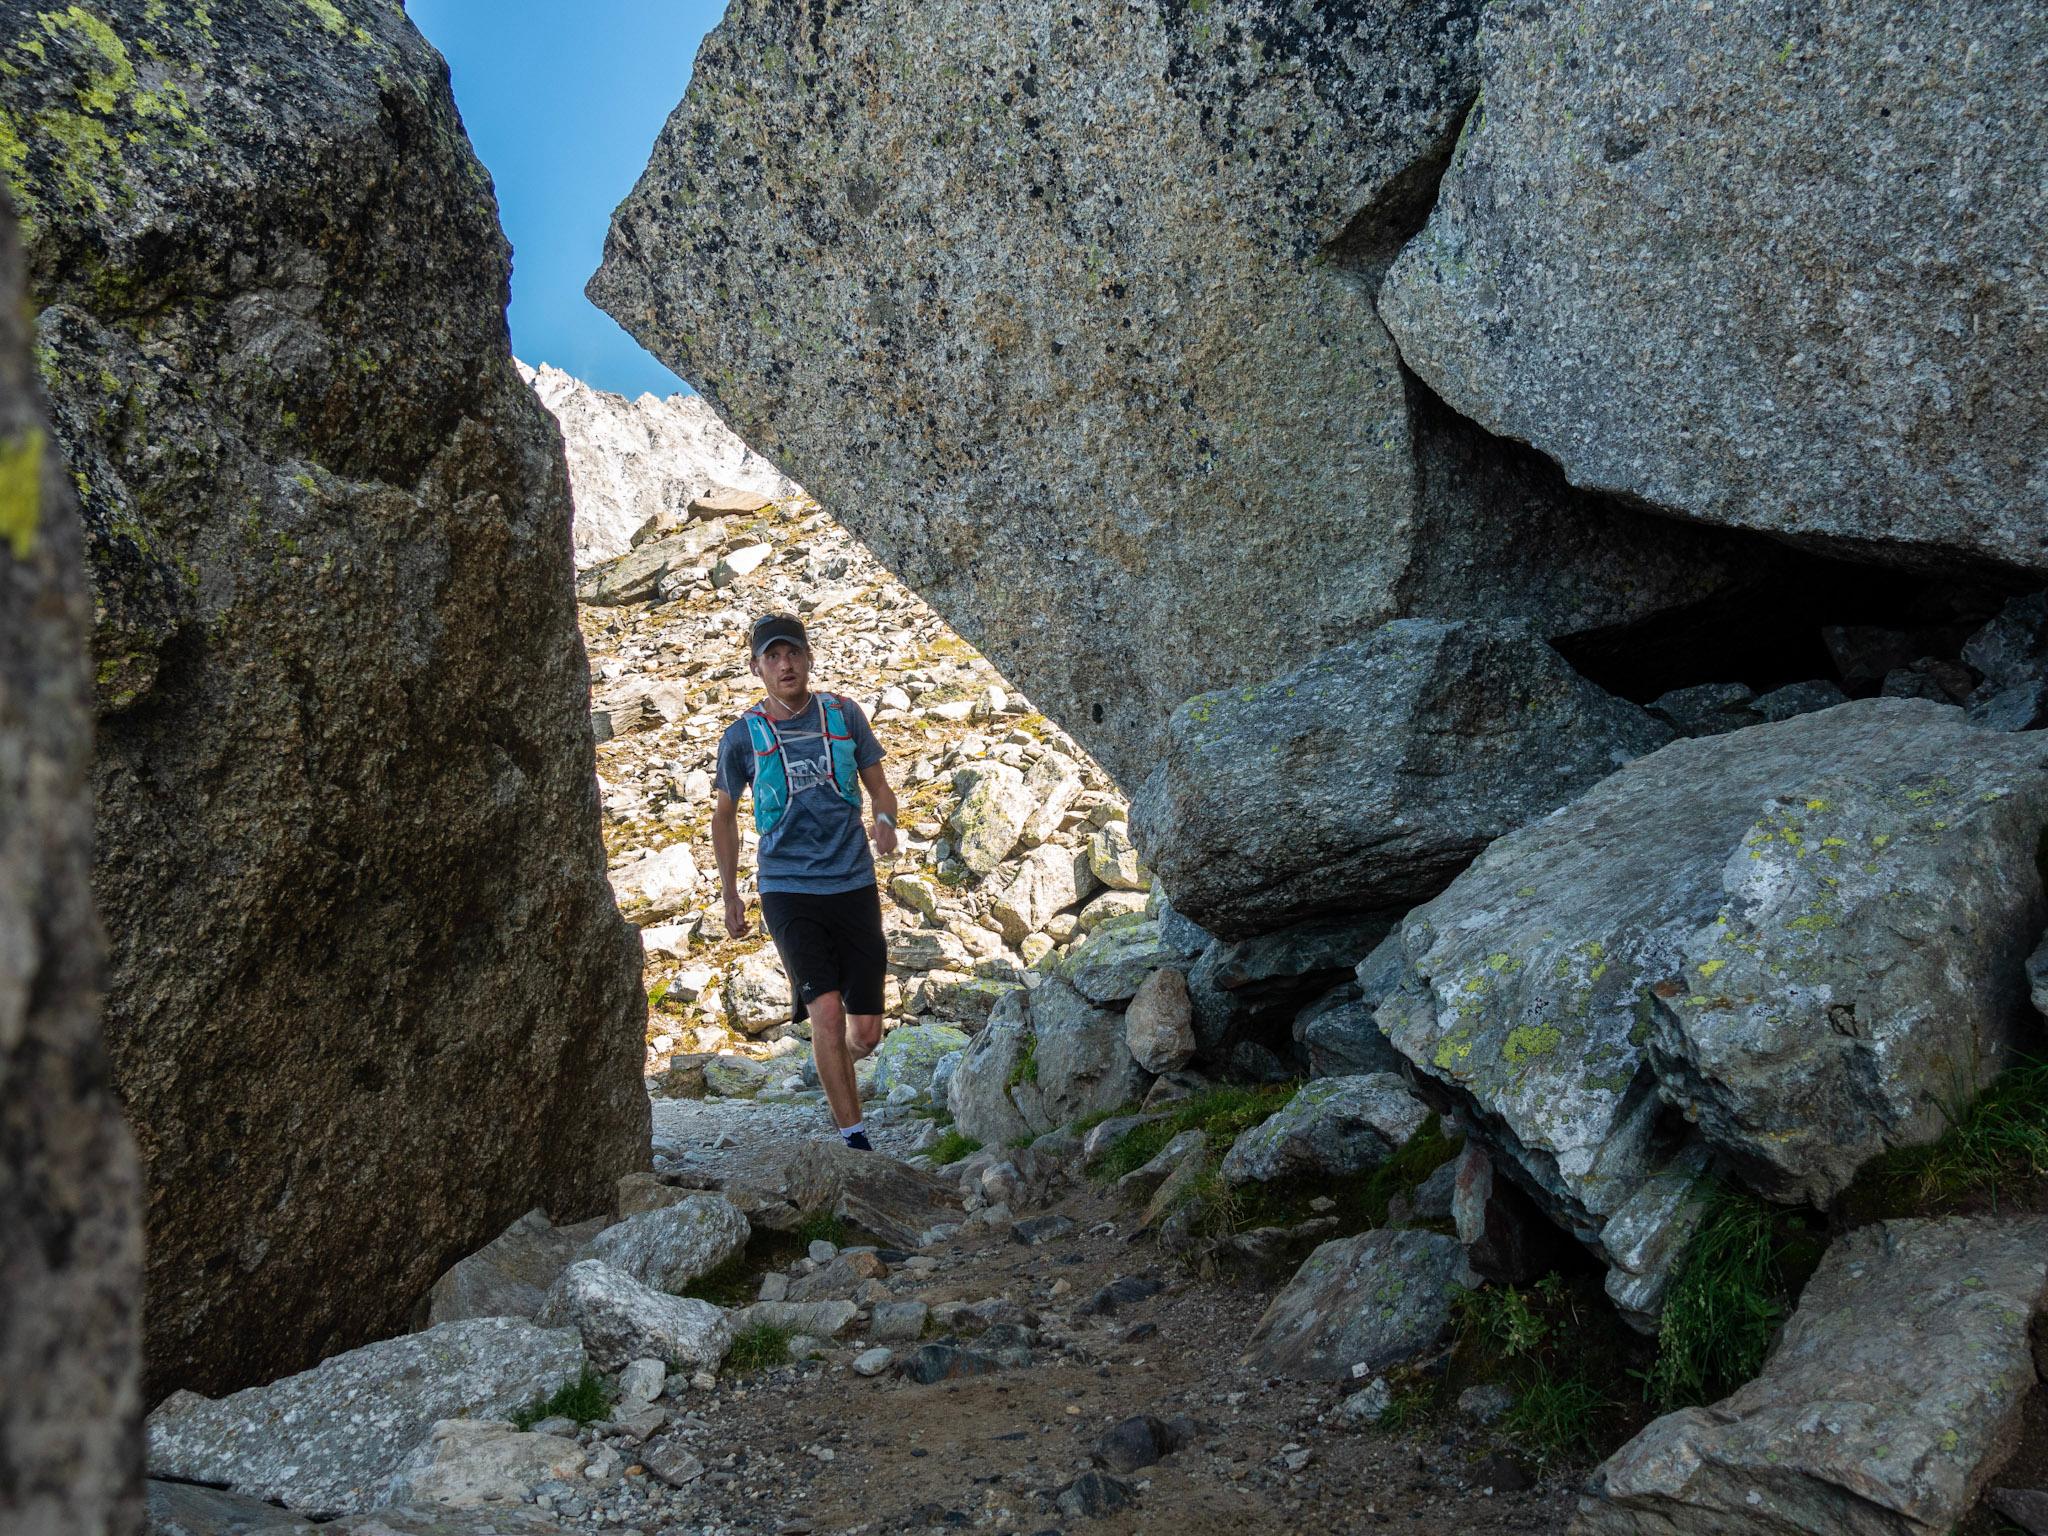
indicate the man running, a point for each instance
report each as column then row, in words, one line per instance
column 806, row 756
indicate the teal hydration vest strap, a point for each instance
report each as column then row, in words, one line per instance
column 771, row 768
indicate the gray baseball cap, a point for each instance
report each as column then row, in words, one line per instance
column 772, row 627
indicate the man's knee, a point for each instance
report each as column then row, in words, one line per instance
column 863, row 1033
column 827, row 1014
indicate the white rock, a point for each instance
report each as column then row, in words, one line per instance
column 641, row 1381
column 757, row 993
column 740, row 562
column 657, row 886
column 872, row 1362
column 669, row 939
column 668, row 1248
column 621, row 1320
column 467, row 1462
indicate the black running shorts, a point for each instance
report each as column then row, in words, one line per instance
column 829, row 944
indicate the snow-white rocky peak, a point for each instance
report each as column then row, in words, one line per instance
column 632, row 459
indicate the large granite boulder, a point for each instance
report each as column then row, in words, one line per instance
column 1369, row 1301
column 71, row 1260
column 1766, row 269
column 369, row 996
column 1071, row 319
column 1368, row 777
column 329, row 1439
column 1893, row 1397
column 1802, row 940
column 1045, row 1058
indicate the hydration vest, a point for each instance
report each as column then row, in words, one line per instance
column 771, row 772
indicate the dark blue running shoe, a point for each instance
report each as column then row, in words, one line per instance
column 859, row 1142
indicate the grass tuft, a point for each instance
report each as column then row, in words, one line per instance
column 1553, row 1346
column 1221, row 1115
column 1731, row 1291
column 821, row 1226
column 1560, row 1415
column 1025, row 1068
column 759, row 1347
column 951, row 1147
column 585, row 1400
column 1995, row 1150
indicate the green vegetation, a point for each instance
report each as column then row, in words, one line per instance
column 1549, row 1345
column 951, row 1147
column 585, row 1400
column 1220, row 1115
column 1731, row 1291
column 821, row 1226
column 21, row 491
column 1025, row 1068
column 1427, row 1150
column 1994, row 1152
column 759, row 1347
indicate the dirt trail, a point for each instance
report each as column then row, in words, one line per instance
column 815, row 1447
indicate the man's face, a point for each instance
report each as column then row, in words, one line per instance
column 785, row 667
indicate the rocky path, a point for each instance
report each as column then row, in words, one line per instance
column 816, row 1446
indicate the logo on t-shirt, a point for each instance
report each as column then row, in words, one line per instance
column 807, row 773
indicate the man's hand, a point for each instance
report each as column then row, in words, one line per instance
column 885, row 838
column 735, row 916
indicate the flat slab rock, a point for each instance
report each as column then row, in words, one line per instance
column 1889, row 1404
column 1375, row 1300
column 329, row 1439
column 880, row 1195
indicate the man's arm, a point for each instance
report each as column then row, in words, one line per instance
column 725, row 846
column 876, row 778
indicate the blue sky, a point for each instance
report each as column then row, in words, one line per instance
column 563, row 102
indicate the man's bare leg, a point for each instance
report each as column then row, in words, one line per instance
column 830, row 1048
column 863, row 1034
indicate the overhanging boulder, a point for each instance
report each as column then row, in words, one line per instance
column 1657, row 257
column 1071, row 321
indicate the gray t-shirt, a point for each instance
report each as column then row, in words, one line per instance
column 819, row 847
